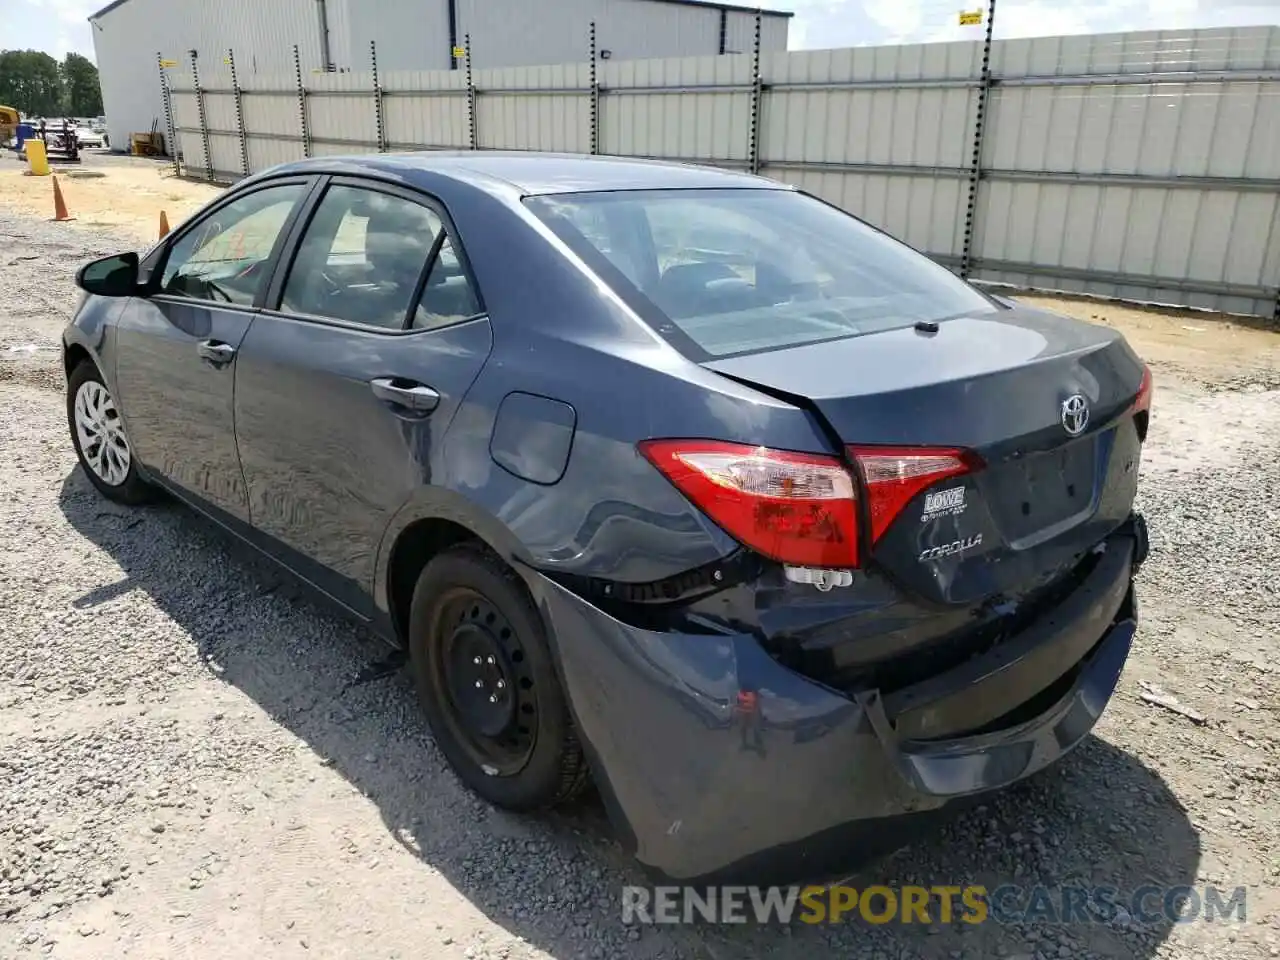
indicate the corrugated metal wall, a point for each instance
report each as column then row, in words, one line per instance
column 881, row 131
column 414, row 34
column 1144, row 166
column 517, row 33
column 515, row 118
column 127, row 40
column 1163, row 183
column 698, row 108
column 740, row 33
column 418, row 120
column 410, row 35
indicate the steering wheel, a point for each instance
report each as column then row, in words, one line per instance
column 333, row 287
column 215, row 292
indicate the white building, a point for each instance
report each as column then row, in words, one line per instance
column 131, row 36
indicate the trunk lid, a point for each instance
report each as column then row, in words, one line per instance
column 1042, row 399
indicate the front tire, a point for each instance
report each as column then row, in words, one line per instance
column 487, row 684
column 98, row 435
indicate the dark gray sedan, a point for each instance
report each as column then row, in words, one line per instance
column 671, row 478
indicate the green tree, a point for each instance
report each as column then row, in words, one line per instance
column 29, row 80
column 82, row 93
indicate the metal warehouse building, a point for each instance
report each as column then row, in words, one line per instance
column 410, row 35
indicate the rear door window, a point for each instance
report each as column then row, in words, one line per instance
column 361, row 258
column 735, row 271
column 448, row 295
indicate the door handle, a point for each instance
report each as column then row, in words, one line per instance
column 216, row 352
column 405, row 393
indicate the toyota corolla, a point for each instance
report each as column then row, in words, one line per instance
column 672, row 479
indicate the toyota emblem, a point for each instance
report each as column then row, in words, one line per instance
column 1075, row 414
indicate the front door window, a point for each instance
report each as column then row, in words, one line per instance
column 224, row 258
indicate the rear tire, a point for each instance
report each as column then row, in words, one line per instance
column 98, row 435
column 487, row 684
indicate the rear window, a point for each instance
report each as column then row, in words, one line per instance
column 727, row 272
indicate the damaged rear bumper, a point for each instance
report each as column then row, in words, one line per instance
column 718, row 764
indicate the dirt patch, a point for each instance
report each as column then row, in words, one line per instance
column 122, row 194
column 1209, row 349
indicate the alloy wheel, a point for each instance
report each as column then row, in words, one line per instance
column 100, row 433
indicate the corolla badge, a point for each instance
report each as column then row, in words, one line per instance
column 1075, row 414
column 952, row 549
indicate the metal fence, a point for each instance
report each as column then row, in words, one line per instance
column 1142, row 166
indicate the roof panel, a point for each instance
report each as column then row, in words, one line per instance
column 546, row 173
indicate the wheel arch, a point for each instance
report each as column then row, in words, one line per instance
column 74, row 354
column 433, row 521
column 91, row 336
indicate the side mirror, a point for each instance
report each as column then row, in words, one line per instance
column 111, row 276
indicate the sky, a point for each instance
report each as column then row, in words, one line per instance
column 60, row 26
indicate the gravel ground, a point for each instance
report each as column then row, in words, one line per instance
column 195, row 760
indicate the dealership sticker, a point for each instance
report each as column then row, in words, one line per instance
column 944, row 503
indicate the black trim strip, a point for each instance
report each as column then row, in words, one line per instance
column 354, row 327
column 641, row 602
column 270, row 293
column 432, row 255
column 453, row 33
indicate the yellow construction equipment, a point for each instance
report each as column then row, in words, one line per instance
column 146, row 144
column 8, row 124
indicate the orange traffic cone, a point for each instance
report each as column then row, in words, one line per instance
column 59, row 205
column 164, row 225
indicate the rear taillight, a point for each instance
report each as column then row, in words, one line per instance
column 894, row 476
column 1142, row 402
column 797, row 508
column 1141, row 407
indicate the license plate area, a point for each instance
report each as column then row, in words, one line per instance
column 1031, row 494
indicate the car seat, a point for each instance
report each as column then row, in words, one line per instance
column 396, row 248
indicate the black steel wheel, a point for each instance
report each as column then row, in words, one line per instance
column 482, row 667
column 487, row 683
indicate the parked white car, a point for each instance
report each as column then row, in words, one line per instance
column 89, row 137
